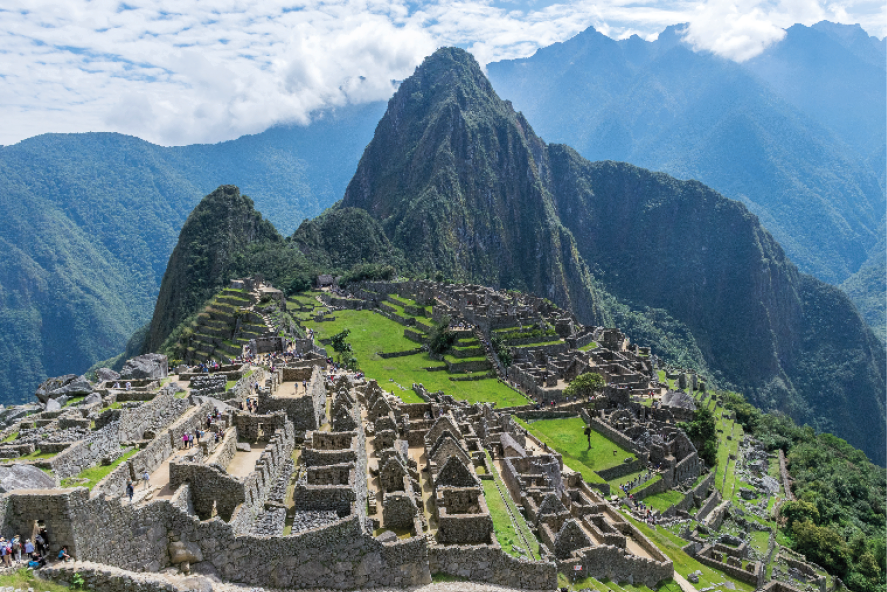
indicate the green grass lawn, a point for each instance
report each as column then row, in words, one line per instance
column 606, row 585
column 588, row 347
column 372, row 333
column 10, row 438
column 22, row 579
column 566, row 437
column 672, row 545
column 36, row 455
column 647, row 484
column 503, row 526
column 96, row 474
column 663, row 501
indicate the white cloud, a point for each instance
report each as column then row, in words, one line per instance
column 184, row 71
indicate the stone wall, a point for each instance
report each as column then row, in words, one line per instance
column 152, row 456
column 156, row 415
column 141, row 536
column 613, row 434
column 657, row 486
column 307, row 411
column 608, row 561
column 622, row 470
column 708, row 504
column 490, row 564
column 111, row 579
column 250, row 427
column 704, row 556
column 58, row 510
column 101, row 445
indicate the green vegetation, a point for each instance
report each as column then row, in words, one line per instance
column 95, row 474
column 371, row 333
column 504, row 527
column 10, row 438
column 839, row 520
column 672, row 545
column 585, row 385
column 567, row 437
column 663, row 501
column 701, row 431
column 24, row 579
column 36, row 455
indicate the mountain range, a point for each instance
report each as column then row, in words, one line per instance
column 797, row 134
column 456, row 183
column 91, row 220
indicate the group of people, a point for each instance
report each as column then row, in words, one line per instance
column 249, row 405
column 189, row 438
column 128, row 385
column 16, row 551
column 629, row 485
column 131, row 488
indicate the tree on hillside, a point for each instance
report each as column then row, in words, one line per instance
column 702, row 432
column 344, row 350
column 585, row 385
column 441, row 337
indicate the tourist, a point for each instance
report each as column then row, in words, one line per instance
column 130, row 490
column 5, row 552
column 184, row 440
column 37, row 561
column 63, row 555
column 40, row 542
column 128, row 385
column 29, row 548
column 146, row 478
column 17, row 548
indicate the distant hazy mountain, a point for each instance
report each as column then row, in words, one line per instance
column 90, row 221
column 797, row 134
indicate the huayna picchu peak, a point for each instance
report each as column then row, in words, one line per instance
column 461, row 185
column 492, row 364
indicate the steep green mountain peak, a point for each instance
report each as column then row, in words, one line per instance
column 222, row 225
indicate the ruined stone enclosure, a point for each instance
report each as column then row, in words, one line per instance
column 337, row 483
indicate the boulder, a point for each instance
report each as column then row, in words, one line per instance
column 92, row 399
column 182, row 551
column 148, row 366
column 14, row 477
column 243, row 447
column 53, row 405
column 69, row 385
column 106, row 374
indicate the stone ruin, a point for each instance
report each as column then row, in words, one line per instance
column 343, row 469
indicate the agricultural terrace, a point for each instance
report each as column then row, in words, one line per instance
column 372, row 333
column 567, row 437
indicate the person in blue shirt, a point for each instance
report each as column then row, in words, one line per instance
column 63, row 555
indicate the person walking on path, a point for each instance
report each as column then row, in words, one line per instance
column 130, row 490
column 147, row 478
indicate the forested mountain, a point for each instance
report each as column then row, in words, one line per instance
column 461, row 185
column 797, row 134
column 91, row 219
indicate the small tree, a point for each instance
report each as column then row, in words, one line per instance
column 702, row 431
column 441, row 338
column 585, row 385
column 342, row 347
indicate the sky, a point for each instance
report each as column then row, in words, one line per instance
column 178, row 72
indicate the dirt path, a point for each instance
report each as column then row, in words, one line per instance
column 244, row 463
column 160, row 477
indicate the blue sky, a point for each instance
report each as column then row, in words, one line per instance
column 184, row 71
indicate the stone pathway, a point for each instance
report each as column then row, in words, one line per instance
column 244, row 463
